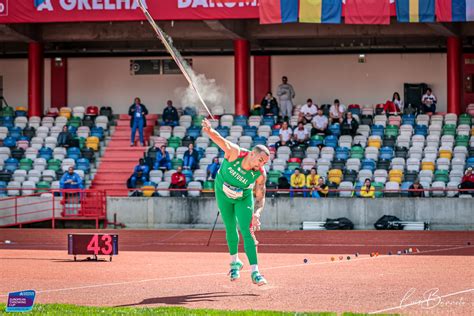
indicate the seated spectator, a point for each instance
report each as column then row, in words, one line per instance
column 336, row 112
column 301, row 135
column 71, row 180
column 367, row 190
column 178, row 181
column 140, row 172
column 349, row 125
column 213, row 168
column 307, row 112
column 413, row 190
column 170, row 115
column 162, row 160
column 428, row 102
column 285, row 136
column 191, row 158
column 283, row 183
column 269, row 105
column 297, row 181
column 321, row 190
column 64, row 138
column 312, row 181
column 467, row 181
column 390, row 108
column 398, row 102
column 320, row 123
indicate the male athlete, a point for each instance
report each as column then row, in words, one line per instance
column 240, row 175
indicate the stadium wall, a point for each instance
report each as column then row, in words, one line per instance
column 107, row 81
column 288, row 214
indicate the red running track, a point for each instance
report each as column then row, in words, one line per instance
column 172, row 267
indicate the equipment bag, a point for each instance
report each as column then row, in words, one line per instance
column 338, row 223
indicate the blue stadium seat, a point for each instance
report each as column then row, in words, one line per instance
column 386, row 153
column 330, row 141
column 259, row 140
column 250, row 131
column 287, row 174
column 368, row 164
column 3, row 186
column 9, row 142
column 188, row 174
column 97, row 132
column 268, row 120
column 46, row 153
column 408, row 119
column 421, row 130
column 195, row 131
column 404, row 187
column 470, row 162
column 74, row 153
column 342, row 153
column 240, row 120
column 83, row 164
column 223, row 130
column 377, row 130
column 335, row 129
column 11, row 164
column 15, row 132
column 275, row 132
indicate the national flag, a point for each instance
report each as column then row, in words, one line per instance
column 367, row 11
column 454, row 10
column 278, row 11
column 320, row 11
column 416, row 10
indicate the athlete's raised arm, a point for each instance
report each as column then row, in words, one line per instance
column 259, row 190
column 230, row 149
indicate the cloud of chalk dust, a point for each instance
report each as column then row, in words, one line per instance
column 212, row 93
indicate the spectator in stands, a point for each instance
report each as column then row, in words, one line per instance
column 269, row 105
column 301, row 135
column 170, row 115
column 320, row 123
column 140, row 172
column 312, row 180
column 212, row 168
column 191, row 158
column 413, row 189
column 467, row 181
column 398, row 102
column 321, row 189
column 162, row 160
column 336, row 112
column 390, row 108
column 297, row 182
column 71, row 180
column 428, row 102
column 138, row 113
column 307, row 112
column 349, row 125
column 178, row 181
column 64, row 138
column 285, row 93
column 367, row 190
column 285, row 136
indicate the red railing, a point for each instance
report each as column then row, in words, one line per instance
column 59, row 205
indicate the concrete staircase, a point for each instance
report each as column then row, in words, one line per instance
column 119, row 159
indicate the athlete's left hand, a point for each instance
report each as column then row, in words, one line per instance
column 255, row 222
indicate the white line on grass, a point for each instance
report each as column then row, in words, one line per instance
column 436, row 299
column 224, row 273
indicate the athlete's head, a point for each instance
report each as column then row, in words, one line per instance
column 259, row 156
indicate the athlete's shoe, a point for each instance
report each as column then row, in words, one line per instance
column 258, row 279
column 235, row 268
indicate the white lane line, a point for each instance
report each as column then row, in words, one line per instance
column 224, row 273
column 435, row 299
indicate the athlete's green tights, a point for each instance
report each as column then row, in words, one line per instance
column 233, row 212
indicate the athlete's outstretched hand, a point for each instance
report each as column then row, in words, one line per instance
column 206, row 125
column 255, row 222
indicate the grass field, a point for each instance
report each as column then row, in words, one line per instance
column 62, row 309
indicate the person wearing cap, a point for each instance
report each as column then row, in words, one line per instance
column 297, row 182
column 467, row 181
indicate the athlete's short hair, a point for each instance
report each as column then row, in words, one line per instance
column 261, row 149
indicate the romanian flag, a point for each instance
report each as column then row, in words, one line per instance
column 454, row 10
column 416, row 10
column 367, row 11
column 320, row 11
column 278, row 11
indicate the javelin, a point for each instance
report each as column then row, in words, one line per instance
column 161, row 35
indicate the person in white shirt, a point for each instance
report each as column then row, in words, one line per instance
column 336, row 112
column 398, row 101
column 307, row 112
column 300, row 135
column 320, row 123
column 285, row 93
column 286, row 135
column 428, row 102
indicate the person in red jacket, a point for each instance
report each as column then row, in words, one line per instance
column 178, row 181
column 467, row 181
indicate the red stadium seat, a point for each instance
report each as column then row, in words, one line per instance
column 92, row 110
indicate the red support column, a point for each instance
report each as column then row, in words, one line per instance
column 261, row 77
column 58, row 82
column 35, row 79
column 454, row 74
column 242, row 76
